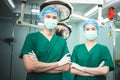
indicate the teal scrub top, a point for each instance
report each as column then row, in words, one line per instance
column 92, row 58
column 46, row 51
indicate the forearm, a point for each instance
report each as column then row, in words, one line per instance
column 59, row 69
column 97, row 71
column 43, row 67
column 37, row 66
column 78, row 72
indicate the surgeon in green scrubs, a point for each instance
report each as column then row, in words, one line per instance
column 45, row 55
column 91, row 60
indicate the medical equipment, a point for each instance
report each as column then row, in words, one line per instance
column 65, row 8
column 110, row 32
column 66, row 11
column 111, row 13
column 21, row 21
column 63, row 30
column 100, row 19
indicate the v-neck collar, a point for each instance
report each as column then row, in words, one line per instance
column 47, row 38
column 90, row 48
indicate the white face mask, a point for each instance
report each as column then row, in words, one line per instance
column 50, row 23
column 91, row 35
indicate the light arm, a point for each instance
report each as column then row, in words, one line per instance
column 21, row 21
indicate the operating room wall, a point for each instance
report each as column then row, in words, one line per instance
column 5, row 50
column 117, row 45
column 74, row 38
column 10, row 64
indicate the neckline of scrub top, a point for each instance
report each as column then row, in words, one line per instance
column 46, row 37
column 88, row 50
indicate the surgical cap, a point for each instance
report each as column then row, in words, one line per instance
column 92, row 22
column 48, row 9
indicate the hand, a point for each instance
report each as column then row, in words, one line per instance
column 32, row 55
column 77, row 66
column 65, row 60
column 101, row 64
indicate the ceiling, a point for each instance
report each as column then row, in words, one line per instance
column 78, row 8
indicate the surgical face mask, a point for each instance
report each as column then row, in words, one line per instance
column 91, row 35
column 50, row 24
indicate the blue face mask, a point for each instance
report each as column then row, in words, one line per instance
column 91, row 35
column 50, row 24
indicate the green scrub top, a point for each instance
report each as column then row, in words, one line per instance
column 92, row 58
column 46, row 51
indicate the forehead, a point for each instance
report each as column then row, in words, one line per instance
column 51, row 14
column 90, row 26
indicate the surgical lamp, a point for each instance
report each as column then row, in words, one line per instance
column 64, row 7
column 63, row 30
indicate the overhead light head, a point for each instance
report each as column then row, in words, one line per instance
column 64, row 7
column 63, row 30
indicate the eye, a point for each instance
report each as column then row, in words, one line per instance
column 54, row 17
column 87, row 29
column 93, row 29
column 47, row 16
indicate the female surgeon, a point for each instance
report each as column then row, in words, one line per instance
column 91, row 60
column 44, row 53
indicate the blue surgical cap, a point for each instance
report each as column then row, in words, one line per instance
column 48, row 9
column 92, row 22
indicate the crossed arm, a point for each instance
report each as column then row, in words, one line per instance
column 87, row 71
column 39, row 67
column 78, row 72
column 97, row 70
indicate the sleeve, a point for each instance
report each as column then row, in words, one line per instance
column 27, row 46
column 73, row 58
column 107, row 58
